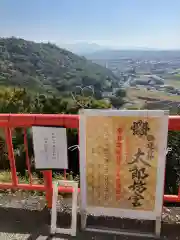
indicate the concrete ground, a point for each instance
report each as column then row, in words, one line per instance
column 26, row 219
column 23, row 224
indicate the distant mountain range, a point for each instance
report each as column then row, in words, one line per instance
column 94, row 51
column 143, row 54
column 83, row 48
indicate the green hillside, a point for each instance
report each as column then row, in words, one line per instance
column 48, row 68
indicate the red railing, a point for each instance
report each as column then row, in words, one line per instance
column 11, row 121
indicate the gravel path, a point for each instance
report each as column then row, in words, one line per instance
column 25, row 218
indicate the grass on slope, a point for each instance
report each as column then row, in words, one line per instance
column 172, row 82
column 134, row 94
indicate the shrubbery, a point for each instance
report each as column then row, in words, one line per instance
column 21, row 101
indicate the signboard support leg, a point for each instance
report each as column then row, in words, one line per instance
column 54, row 209
column 158, row 226
column 83, row 220
column 72, row 230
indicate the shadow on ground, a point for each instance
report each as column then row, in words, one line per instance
column 35, row 225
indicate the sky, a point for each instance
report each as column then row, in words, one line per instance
column 111, row 23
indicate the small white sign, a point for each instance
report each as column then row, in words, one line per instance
column 50, row 147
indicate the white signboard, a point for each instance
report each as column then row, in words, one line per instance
column 50, row 147
column 123, row 156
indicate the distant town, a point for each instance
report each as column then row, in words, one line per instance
column 157, row 73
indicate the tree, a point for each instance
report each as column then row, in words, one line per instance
column 44, row 66
column 120, row 93
column 117, row 102
column 23, row 101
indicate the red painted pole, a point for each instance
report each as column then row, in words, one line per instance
column 11, row 156
column 27, row 156
column 48, row 187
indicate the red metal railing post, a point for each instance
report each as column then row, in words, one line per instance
column 11, row 156
column 27, row 156
column 48, row 187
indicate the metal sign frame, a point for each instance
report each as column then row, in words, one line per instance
column 118, row 212
column 54, row 229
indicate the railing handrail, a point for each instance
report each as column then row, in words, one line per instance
column 174, row 122
column 66, row 120
column 27, row 120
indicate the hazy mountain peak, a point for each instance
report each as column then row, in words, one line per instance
column 82, row 48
